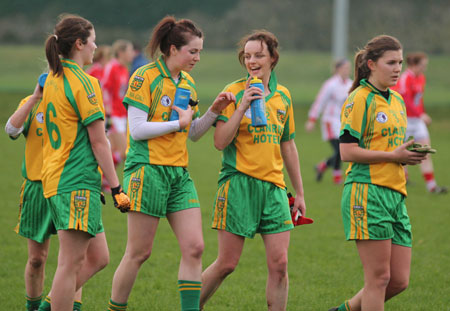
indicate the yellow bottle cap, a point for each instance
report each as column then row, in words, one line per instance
column 256, row 80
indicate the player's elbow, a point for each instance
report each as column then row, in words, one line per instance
column 219, row 145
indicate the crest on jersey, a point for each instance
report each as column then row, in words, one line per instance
column 382, row 117
column 79, row 202
column 135, row 184
column 358, row 212
column 281, row 115
column 220, row 204
column 136, row 83
column 92, row 98
column 40, row 117
column 348, row 108
column 166, row 101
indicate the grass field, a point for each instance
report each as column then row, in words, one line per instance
column 323, row 268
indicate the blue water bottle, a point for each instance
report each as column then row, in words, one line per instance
column 257, row 106
column 41, row 79
column 182, row 96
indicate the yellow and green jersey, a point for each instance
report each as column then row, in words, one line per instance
column 33, row 131
column 152, row 89
column 70, row 102
column 378, row 124
column 255, row 151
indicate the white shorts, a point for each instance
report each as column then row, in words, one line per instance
column 119, row 124
column 418, row 129
column 330, row 130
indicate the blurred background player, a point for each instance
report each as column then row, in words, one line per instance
column 412, row 86
column 155, row 174
column 329, row 101
column 114, row 87
column 373, row 200
column 35, row 222
column 102, row 56
column 251, row 198
column 139, row 59
column 74, row 147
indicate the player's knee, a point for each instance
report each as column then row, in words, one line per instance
column 37, row 262
column 101, row 261
column 398, row 286
column 195, row 250
column 228, row 267
column 381, row 279
column 139, row 257
column 279, row 265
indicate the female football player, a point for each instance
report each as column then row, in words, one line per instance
column 373, row 201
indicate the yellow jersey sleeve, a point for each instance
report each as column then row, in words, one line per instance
column 353, row 115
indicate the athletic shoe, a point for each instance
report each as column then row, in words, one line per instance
column 439, row 190
column 320, row 169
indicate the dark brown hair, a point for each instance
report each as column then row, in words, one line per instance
column 413, row 59
column 67, row 31
column 169, row 32
column 373, row 50
column 262, row 36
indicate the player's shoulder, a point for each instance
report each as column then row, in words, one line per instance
column 359, row 95
column 284, row 90
column 149, row 70
column 78, row 78
column 236, row 86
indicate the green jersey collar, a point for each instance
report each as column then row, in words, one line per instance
column 69, row 63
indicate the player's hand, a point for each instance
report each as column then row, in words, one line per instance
column 426, row 118
column 250, row 93
column 404, row 156
column 38, row 92
column 185, row 116
column 121, row 200
column 299, row 204
column 309, row 125
column 222, row 101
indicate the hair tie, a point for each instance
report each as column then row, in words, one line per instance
column 56, row 37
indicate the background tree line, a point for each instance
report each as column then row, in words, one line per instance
column 299, row 24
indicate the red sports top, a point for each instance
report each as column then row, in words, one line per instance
column 114, row 85
column 96, row 70
column 411, row 87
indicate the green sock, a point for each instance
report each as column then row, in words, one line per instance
column 114, row 306
column 33, row 303
column 345, row 306
column 77, row 305
column 190, row 295
column 45, row 304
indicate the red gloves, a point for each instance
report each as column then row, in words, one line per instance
column 297, row 218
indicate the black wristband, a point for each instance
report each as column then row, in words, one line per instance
column 116, row 190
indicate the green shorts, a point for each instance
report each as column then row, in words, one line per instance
column 245, row 206
column 158, row 190
column 372, row 212
column 35, row 221
column 77, row 210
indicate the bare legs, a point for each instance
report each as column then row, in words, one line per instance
column 230, row 250
column 386, row 273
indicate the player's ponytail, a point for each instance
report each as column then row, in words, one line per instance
column 170, row 32
column 60, row 43
column 373, row 50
